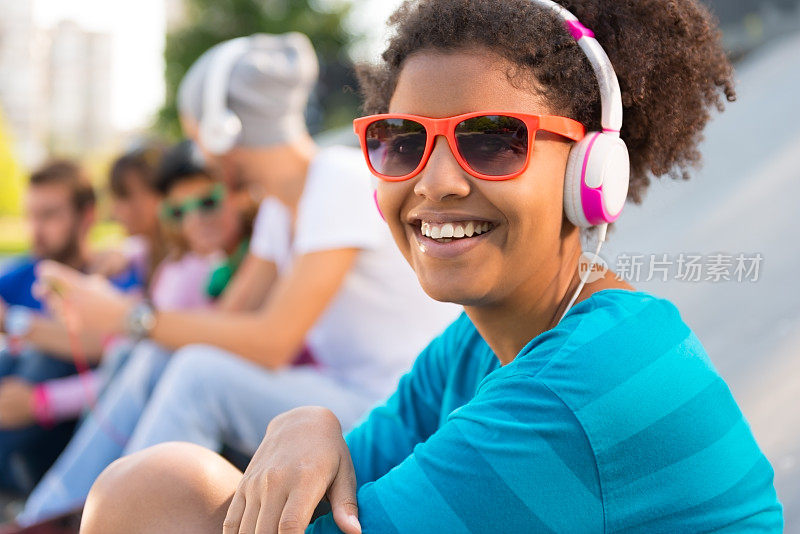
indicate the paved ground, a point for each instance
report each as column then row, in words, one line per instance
column 746, row 200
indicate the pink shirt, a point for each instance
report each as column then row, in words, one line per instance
column 182, row 284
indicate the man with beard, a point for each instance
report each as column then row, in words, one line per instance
column 60, row 208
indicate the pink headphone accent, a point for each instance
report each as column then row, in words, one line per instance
column 375, row 198
column 598, row 171
column 578, row 30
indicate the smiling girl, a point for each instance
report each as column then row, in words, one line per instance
column 551, row 404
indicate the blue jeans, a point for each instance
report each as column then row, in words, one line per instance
column 25, row 454
column 212, row 398
column 101, row 437
column 206, row 396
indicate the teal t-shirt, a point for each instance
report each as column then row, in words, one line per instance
column 613, row 421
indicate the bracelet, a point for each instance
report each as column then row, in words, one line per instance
column 41, row 407
column 108, row 341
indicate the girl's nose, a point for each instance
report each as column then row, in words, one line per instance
column 442, row 176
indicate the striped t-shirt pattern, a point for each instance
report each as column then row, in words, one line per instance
column 613, row 421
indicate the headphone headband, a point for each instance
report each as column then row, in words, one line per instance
column 215, row 93
column 610, row 94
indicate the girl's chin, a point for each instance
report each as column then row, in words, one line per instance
column 467, row 293
column 204, row 250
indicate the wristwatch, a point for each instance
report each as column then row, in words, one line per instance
column 141, row 320
column 18, row 321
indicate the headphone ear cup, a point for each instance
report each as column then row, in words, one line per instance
column 616, row 176
column 596, row 180
column 219, row 134
column 573, row 204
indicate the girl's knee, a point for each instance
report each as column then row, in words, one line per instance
column 197, row 361
column 193, row 371
column 168, row 482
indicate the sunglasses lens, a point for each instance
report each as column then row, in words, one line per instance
column 208, row 204
column 175, row 213
column 493, row 145
column 395, row 146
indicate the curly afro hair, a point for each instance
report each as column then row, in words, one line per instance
column 667, row 54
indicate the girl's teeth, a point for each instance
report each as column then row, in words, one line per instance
column 470, row 229
column 448, row 231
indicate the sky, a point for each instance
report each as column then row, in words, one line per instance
column 138, row 27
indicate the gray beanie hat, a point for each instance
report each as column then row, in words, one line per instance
column 267, row 88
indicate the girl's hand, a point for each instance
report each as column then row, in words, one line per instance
column 302, row 459
column 81, row 301
column 16, row 404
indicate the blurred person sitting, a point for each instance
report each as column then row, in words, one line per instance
column 135, row 203
column 205, row 227
column 321, row 272
column 60, row 209
column 206, row 234
column 179, row 280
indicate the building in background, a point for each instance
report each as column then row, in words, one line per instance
column 21, row 79
column 78, row 89
column 55, row 85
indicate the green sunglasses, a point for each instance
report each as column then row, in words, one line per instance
column 209, row 203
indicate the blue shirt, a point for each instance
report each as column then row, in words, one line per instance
column 614, row 420
column 16, row 283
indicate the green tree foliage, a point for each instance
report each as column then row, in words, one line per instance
column 209, row 22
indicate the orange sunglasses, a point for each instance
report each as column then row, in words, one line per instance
column 488, row 145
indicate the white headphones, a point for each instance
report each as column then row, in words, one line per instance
column 598, row 171
column 219, row 126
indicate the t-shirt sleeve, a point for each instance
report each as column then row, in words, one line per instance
column 409, row 416
column 514, row 459
column 271, row 230
column 337, row 210
column 16, row 285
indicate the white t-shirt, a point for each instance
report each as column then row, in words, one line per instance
column 380, row 319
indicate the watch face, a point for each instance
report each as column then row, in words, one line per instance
column 142, row 320
column 18, row 321
column 148, row 320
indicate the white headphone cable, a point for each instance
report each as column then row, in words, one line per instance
column 603, row 228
